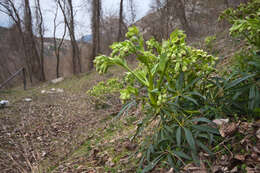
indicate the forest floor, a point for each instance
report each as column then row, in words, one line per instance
column 61, row 129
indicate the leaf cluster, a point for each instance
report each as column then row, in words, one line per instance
column 167, row 82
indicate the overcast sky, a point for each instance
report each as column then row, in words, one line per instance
column 82, row 15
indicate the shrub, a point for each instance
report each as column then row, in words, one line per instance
column 245, row 22
column 168, row 82
column 103, row 92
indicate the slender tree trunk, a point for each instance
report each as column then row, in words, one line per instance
column 57, row 46
column 30, row 42
column 96, row 17
column 41, row 32
column 120, row 22
column 74, row 44
column 70, row 24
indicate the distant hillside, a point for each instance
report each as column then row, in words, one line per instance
column 201, row 18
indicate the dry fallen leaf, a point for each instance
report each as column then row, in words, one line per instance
column 240, row 157
column 227, row 129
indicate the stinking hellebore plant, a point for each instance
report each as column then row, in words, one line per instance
column 168, row 82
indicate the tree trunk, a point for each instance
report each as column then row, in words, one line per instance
column 74, row 44
column 96, row 17
column 40, row 26
column 30, row 43
column 120, row 22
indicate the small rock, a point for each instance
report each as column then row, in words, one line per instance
column 39, row 138
column 44, row 153
column 235, row 169
column 53, row 89
column 219, row 122
column 59, row 90
column 54, row 81
column 43, row 91
column 170, row 171
column 139, row 155
column 28, row 99
column 240, row 157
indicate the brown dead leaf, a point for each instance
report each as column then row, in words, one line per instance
column 228, row 129
column 240, row 157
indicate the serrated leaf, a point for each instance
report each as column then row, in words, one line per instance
column 237, row 81
column 152, row 164
column 190, row 139
column 202, row 119
column 181, row 154
column 191, row 99
column 178, row 136
column 206, row 129
column 195, row 158
column 204, row 147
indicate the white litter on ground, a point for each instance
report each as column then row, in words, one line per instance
column 4, row 103
column 28, row 99
column 52, row 91
column 54, row 81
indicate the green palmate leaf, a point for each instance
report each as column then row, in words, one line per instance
column 202, row 119
column 171, row 163
column 204, row 147
column 205, row 128
column 191, row 99
column 125, row 108
column 197, row 94
column 192, row 83
column 195, row 158
column 178, row 136
column 180, row 154
column 190, row 139
column 180, row 82
column 168, row 84
column 152, row 164
column 238, row 81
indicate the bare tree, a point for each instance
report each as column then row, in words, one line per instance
column 30, row 41
column 120, row 22
column 96, row 19
column 58, row 43
column 40, row 30
column 25, row 28
column 132, row 10
column 68, row 14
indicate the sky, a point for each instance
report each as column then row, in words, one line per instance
column 82, row 15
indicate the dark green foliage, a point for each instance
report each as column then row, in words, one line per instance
column 168, row 82
column 180, row 90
